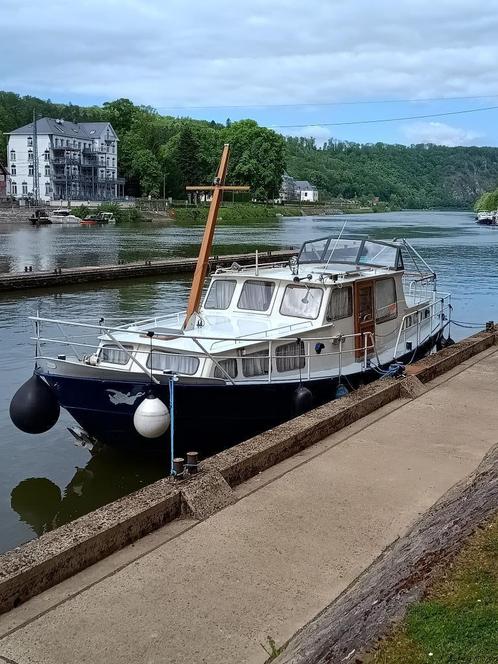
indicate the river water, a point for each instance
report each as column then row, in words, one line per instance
column 46, row 480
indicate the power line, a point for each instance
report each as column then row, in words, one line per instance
column 379, row 120
column 329, row 103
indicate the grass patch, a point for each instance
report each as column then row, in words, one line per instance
column 457, row 623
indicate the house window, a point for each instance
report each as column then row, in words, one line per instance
column 220, row 294
column 290, row 356
column 30, row 155
column 47, row 171
column 12, row 155
column 256, row 295
column 46, row 155
column 340, row 303
column 30, row 170
column 13, row 170
column 47, row 189
column 67, row 142
column 24, row 187
column 30, row 141
column 301, row 301
column 255, row 364
column 386, row 307
column 14, row 187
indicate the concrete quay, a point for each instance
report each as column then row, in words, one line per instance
column 21, row 281
column 292, row 536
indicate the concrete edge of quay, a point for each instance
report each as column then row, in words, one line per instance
column 43, row 562
column 22, row 281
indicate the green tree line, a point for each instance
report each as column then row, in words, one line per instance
column 487, row 202
column 416, row 176
column 163, row 153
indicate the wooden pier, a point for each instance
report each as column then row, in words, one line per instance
column 13, row 281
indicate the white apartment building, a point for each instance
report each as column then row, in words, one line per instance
column 76, row 161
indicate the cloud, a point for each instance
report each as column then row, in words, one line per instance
column 440, row 133
column 179, row 53
column 320, row 134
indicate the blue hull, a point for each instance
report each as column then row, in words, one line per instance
column 208, row 418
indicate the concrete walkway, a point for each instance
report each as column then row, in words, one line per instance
column 299, row 534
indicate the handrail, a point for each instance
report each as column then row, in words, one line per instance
column 446, row 297
column 327, row 333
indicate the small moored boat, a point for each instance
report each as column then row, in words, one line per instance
column 486, row 218
column 63, row 216
column 40, row 218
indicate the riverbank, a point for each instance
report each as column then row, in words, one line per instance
column 458, row 619
column 241, row 211
column 348, row 531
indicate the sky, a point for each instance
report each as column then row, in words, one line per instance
column 298, row 67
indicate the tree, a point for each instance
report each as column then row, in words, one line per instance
column 188, row 157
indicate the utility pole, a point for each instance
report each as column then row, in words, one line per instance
column 164, row 186
column 36, row 174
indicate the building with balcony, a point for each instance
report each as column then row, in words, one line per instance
column 76, row 161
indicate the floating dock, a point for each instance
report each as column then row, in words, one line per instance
column 328, row 526
column 13, row 281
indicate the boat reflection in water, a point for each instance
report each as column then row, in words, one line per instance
column 108, row 475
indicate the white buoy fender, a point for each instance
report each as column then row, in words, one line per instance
column 151, row 418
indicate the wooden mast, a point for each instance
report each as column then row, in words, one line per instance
column 207, row 240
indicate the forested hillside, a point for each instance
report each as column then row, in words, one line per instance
column 157, row 152
column 416, row 176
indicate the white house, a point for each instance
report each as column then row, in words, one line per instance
column 305, row 191
column 76, row 161
column 297, row 190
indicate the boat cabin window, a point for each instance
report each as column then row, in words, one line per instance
column 340, row 303
column 220, row 294
column 386, row 307
column 164, row 361
column 113, row 354
column 290, row 356
column 256, row 295
column 301, row 301
column 225, row 367
column 255, row 364
column 373, row 253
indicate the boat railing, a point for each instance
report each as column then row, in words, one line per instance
column 439, row 312
column 84, row 339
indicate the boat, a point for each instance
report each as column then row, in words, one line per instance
column 40, row 218
column 266, row 343
column 98, row 218
column 486, row 218
column 63, row 216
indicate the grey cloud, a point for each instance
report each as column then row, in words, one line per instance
column 182, row 53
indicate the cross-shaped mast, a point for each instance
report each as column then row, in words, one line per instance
column 217, row 188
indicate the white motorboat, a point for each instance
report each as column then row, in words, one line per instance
column 266, row 343
column 63, row 216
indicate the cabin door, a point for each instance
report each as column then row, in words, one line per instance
column 364, row 317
